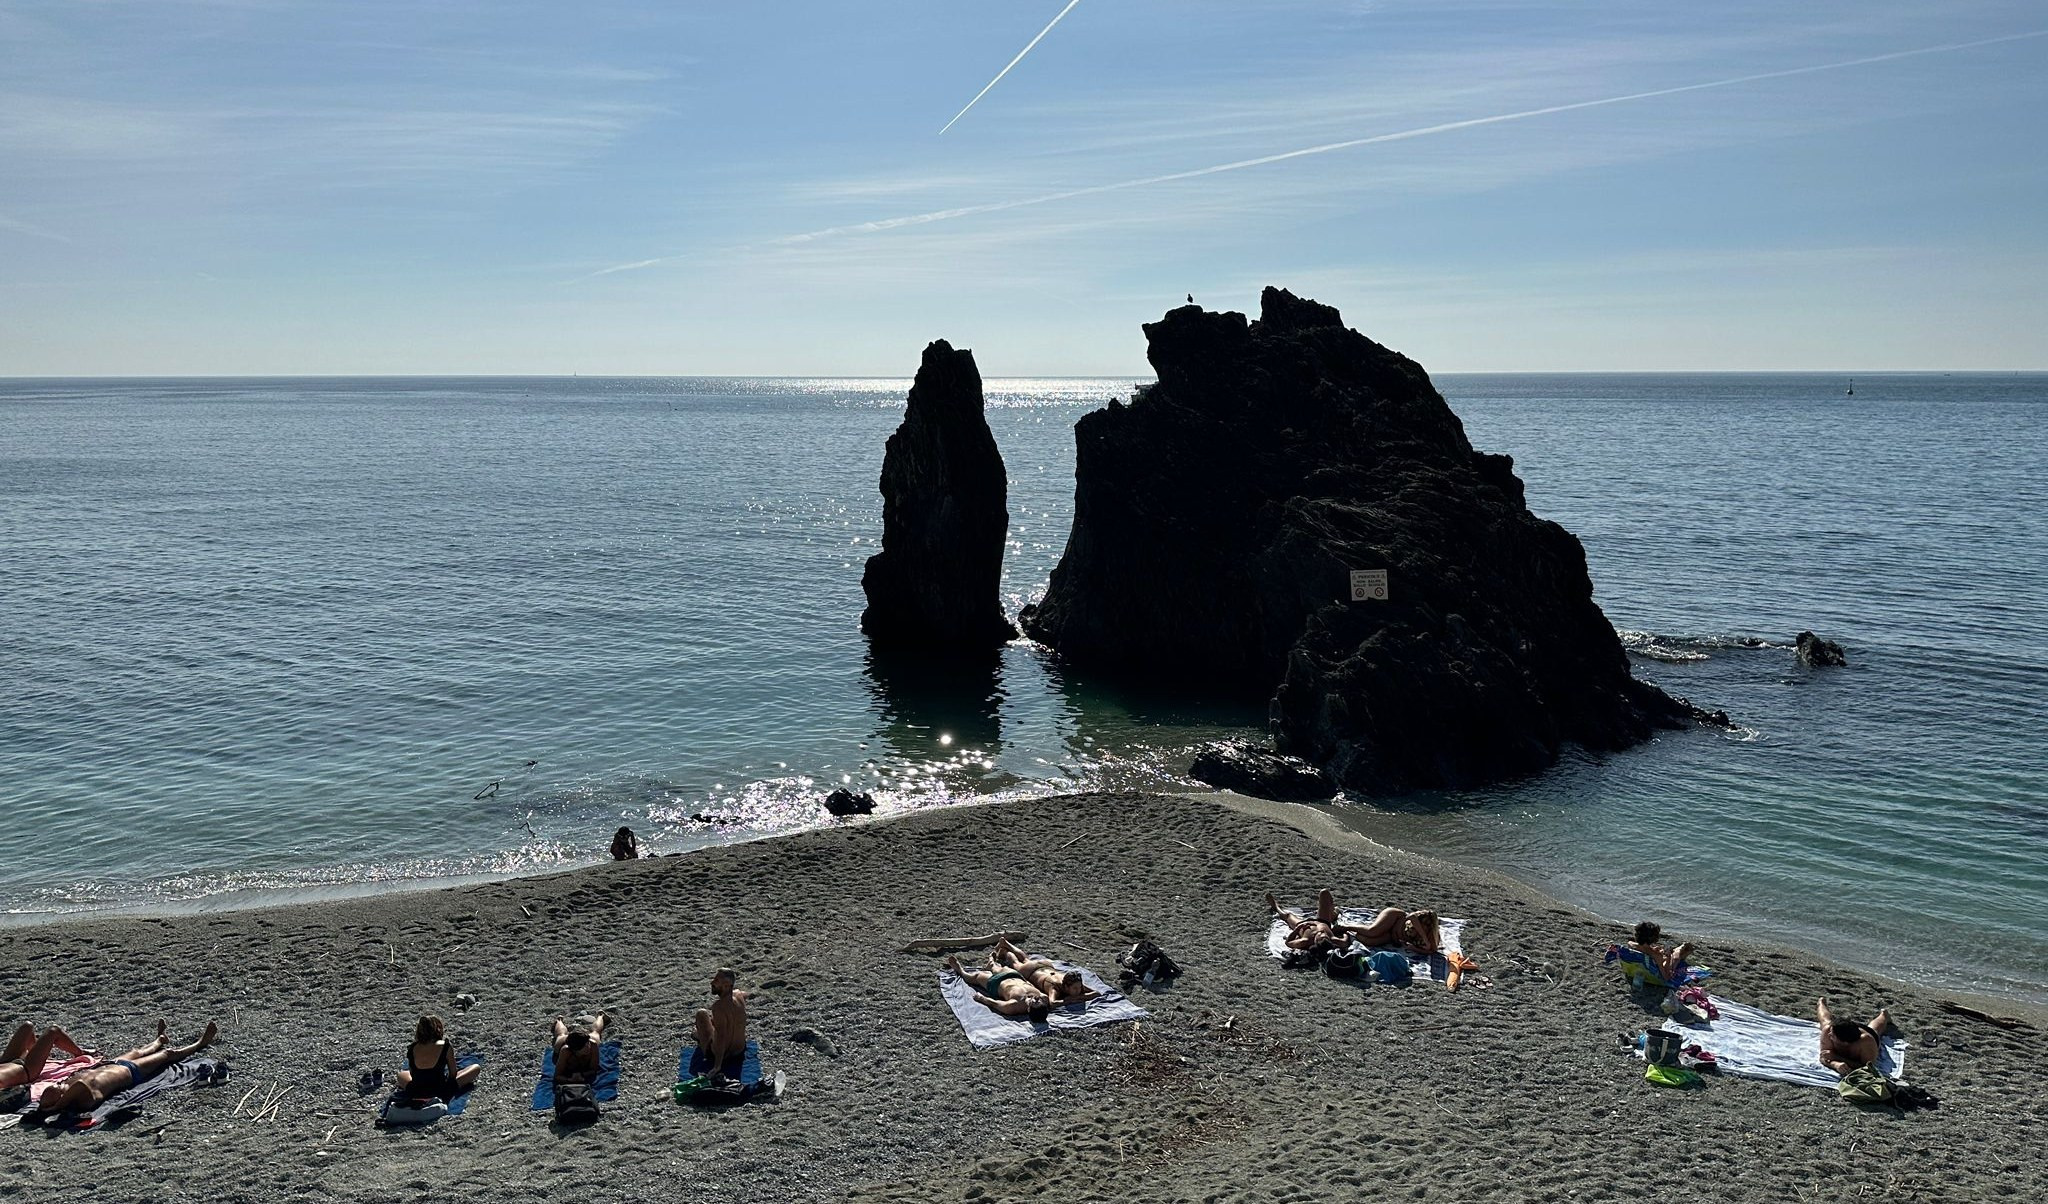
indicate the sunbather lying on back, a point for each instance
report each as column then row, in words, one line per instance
column 1846, row 1045
column 95, row 1085
column 27, row 1053
column 576, row 1050
column 1312, row 933
column 1005, row 992
column 1061, row 986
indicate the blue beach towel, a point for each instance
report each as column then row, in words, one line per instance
column 746, row 1067
column 455, row 1105
column 606, row 1087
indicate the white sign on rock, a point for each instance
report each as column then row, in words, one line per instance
column 1368, row 585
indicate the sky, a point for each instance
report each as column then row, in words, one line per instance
column 683, row 187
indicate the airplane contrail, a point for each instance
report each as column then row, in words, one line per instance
column 1013, row 62
column 939, row 215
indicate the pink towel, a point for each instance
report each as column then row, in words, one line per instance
column 56, row 1070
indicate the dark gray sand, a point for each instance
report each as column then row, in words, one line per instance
column 1250, row 1082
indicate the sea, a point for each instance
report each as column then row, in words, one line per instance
column 267, row 639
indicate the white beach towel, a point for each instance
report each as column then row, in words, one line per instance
column 1762, row 1045
column 986, row 1030
column 1433, row 968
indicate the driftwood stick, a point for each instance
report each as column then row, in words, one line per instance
column 942, row 944
column 1954, row 1008
column 245, row 1099
column 1056, row 848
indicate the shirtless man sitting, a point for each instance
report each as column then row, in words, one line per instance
column 26, row 1054
column 722, row 1027
column 576, row 1050
column 1846, row 1045
column 1006, row 992
column 95, row 1085
column 1061, row 986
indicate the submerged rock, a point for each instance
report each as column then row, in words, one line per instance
column 843, row 802
column 1248, row 769
column 1817, row 653
column 1219, row 515
column 934, row 586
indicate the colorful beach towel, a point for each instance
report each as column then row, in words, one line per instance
column 1434, row 968
column 1762, row 1045
column 986, row 1030
column 456, row 1104
column 1636, row 968
column 605, row 1087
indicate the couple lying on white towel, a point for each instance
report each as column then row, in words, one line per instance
column 1017, row 984
column 1418, row 932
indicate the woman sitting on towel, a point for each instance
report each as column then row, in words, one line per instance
column 1005, row 992
column 430, row 1070
column 27, row 1053
column 1061, row 986
column 95, row 1085
column 1418, row 932
column 1846, row 1045
column 1669, row 963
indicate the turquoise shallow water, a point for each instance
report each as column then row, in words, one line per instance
column 285, row 634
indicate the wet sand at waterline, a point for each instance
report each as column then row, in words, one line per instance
column 1249, row 1082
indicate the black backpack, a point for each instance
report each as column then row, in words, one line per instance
column 1146, row 963
column 575, row 1103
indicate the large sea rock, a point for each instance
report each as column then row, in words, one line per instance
column 934, row 588
column 1219, row 514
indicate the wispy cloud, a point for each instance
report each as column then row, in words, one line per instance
column 1444, row 127
column 31, row 229
column 1013, row 62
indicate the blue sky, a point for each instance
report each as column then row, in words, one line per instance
column 305, row 186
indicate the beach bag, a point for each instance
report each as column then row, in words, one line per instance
column 575, row 1103
column 1146, row 963
column 404, row 1110
column 1865, row 1085
column 1390, row 967
column 1345, row 963
column 1661, row 1048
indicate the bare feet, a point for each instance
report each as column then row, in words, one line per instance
column 210, row 1035
column 1272, row 904
column 952, row 962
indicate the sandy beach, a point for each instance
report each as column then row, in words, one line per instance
column 1248, row 1083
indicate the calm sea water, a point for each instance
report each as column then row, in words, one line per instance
column 286, row 634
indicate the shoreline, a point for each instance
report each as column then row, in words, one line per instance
column 1341, row 818
column 1513, row 1088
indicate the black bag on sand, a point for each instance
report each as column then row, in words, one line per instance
column 1345, row 963
column 575, row 1103
column 1146, row 963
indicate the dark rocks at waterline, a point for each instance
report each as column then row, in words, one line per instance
column 1219, row 516
column 843, row 802
column 934, row 587
column 1817, row 653
column 1248, row 769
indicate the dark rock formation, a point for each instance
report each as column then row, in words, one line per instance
column 845, row 802
column 1248, row 769
column 1817, row 653
column 934, row 586
column 1217, row 518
